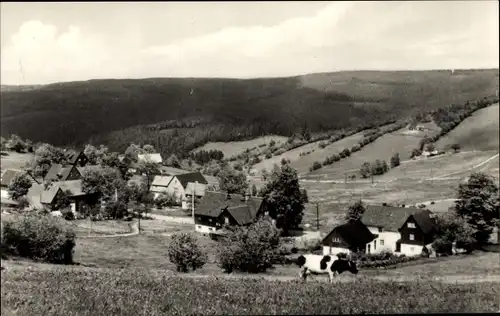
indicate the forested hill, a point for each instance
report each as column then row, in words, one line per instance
column 73, row 112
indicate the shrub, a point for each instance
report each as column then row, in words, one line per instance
column 316, row 165
column 41, row 238
column 68, row 215
column 164, row 200
column 250, row 249
column 268, row 155
column 322, row 145
column 115, row 210
column 185, row 253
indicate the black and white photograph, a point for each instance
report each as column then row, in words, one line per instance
column 249, row 158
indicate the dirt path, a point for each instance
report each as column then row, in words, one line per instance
column 134, row 230
column 462, row 171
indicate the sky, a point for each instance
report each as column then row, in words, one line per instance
column 54, row 42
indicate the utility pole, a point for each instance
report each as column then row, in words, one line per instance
column 192, row 199
column 317, row 216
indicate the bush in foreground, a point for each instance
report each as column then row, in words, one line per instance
column 185, row 253
column 101, row 292
column 251, row 249
column 41, row 238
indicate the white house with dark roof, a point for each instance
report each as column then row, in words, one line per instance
column 217, row 209
column 385, row 222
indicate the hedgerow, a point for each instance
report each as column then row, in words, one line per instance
column 135, row 292
column 39, row 237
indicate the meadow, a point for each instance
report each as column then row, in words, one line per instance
column 477, row 132
column 234, row 148
column 16, row 161
column 87, row 291
column 383, row 148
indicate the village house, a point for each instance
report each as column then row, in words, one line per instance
column 73, row 190
column 178, row 184
column 156, row 158
column 212, row 183
column 76, row 158
column 347, row 238
column 58, row 172
column 385, row 222
column 159, row 185
column 196, row 189
column 7, row 177
column 217, row 209
column 417, row 232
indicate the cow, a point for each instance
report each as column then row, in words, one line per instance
column 318, row 264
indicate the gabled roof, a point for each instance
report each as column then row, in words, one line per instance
column 58, row 169
column 171, row 171
column 425, row 221
column 390, row 218
column 73, row 187
column 9, row 175
column 214, row 203
column 161, row 181
column 73, row 155
column 151, row 157
column 198, row 188
column 243, row 214
column 355, row 234
column 185, row 178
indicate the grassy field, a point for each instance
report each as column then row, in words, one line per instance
column 477, row 132
column 234, row 148
column 15, row 160
column 438, row 166
column 87, row 291
column 382, row 148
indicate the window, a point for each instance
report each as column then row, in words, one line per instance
column 412, row 249
column 336, row 239
column 411, row 225
column 412, row 237
column 210, row 220
column 374, row 244
column 199, row 227
column 381, row 242
column 380, row 229
column 226, row 220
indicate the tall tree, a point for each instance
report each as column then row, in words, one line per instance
column 19, row 187
column 105, row 183
column 94, row 154
column 232, row 181
column 284, row 197
column 395, row 161
column 149, row 169
column 355, row 211
column 478, row 204
column 366, row 170
column 173, row 161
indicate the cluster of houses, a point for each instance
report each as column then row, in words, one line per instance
column 67, row 179
column 400, row 230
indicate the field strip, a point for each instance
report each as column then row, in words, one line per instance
column 462, row 171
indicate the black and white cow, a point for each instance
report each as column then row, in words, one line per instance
column 318, row 264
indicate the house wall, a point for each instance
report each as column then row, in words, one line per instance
column 204, row 229
column 412, row 250
column 175, row 188
column 5, row 193
column 419, row 239
column 74, row 174
column 327, row 250
column 386, row 241
column 157, row 190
